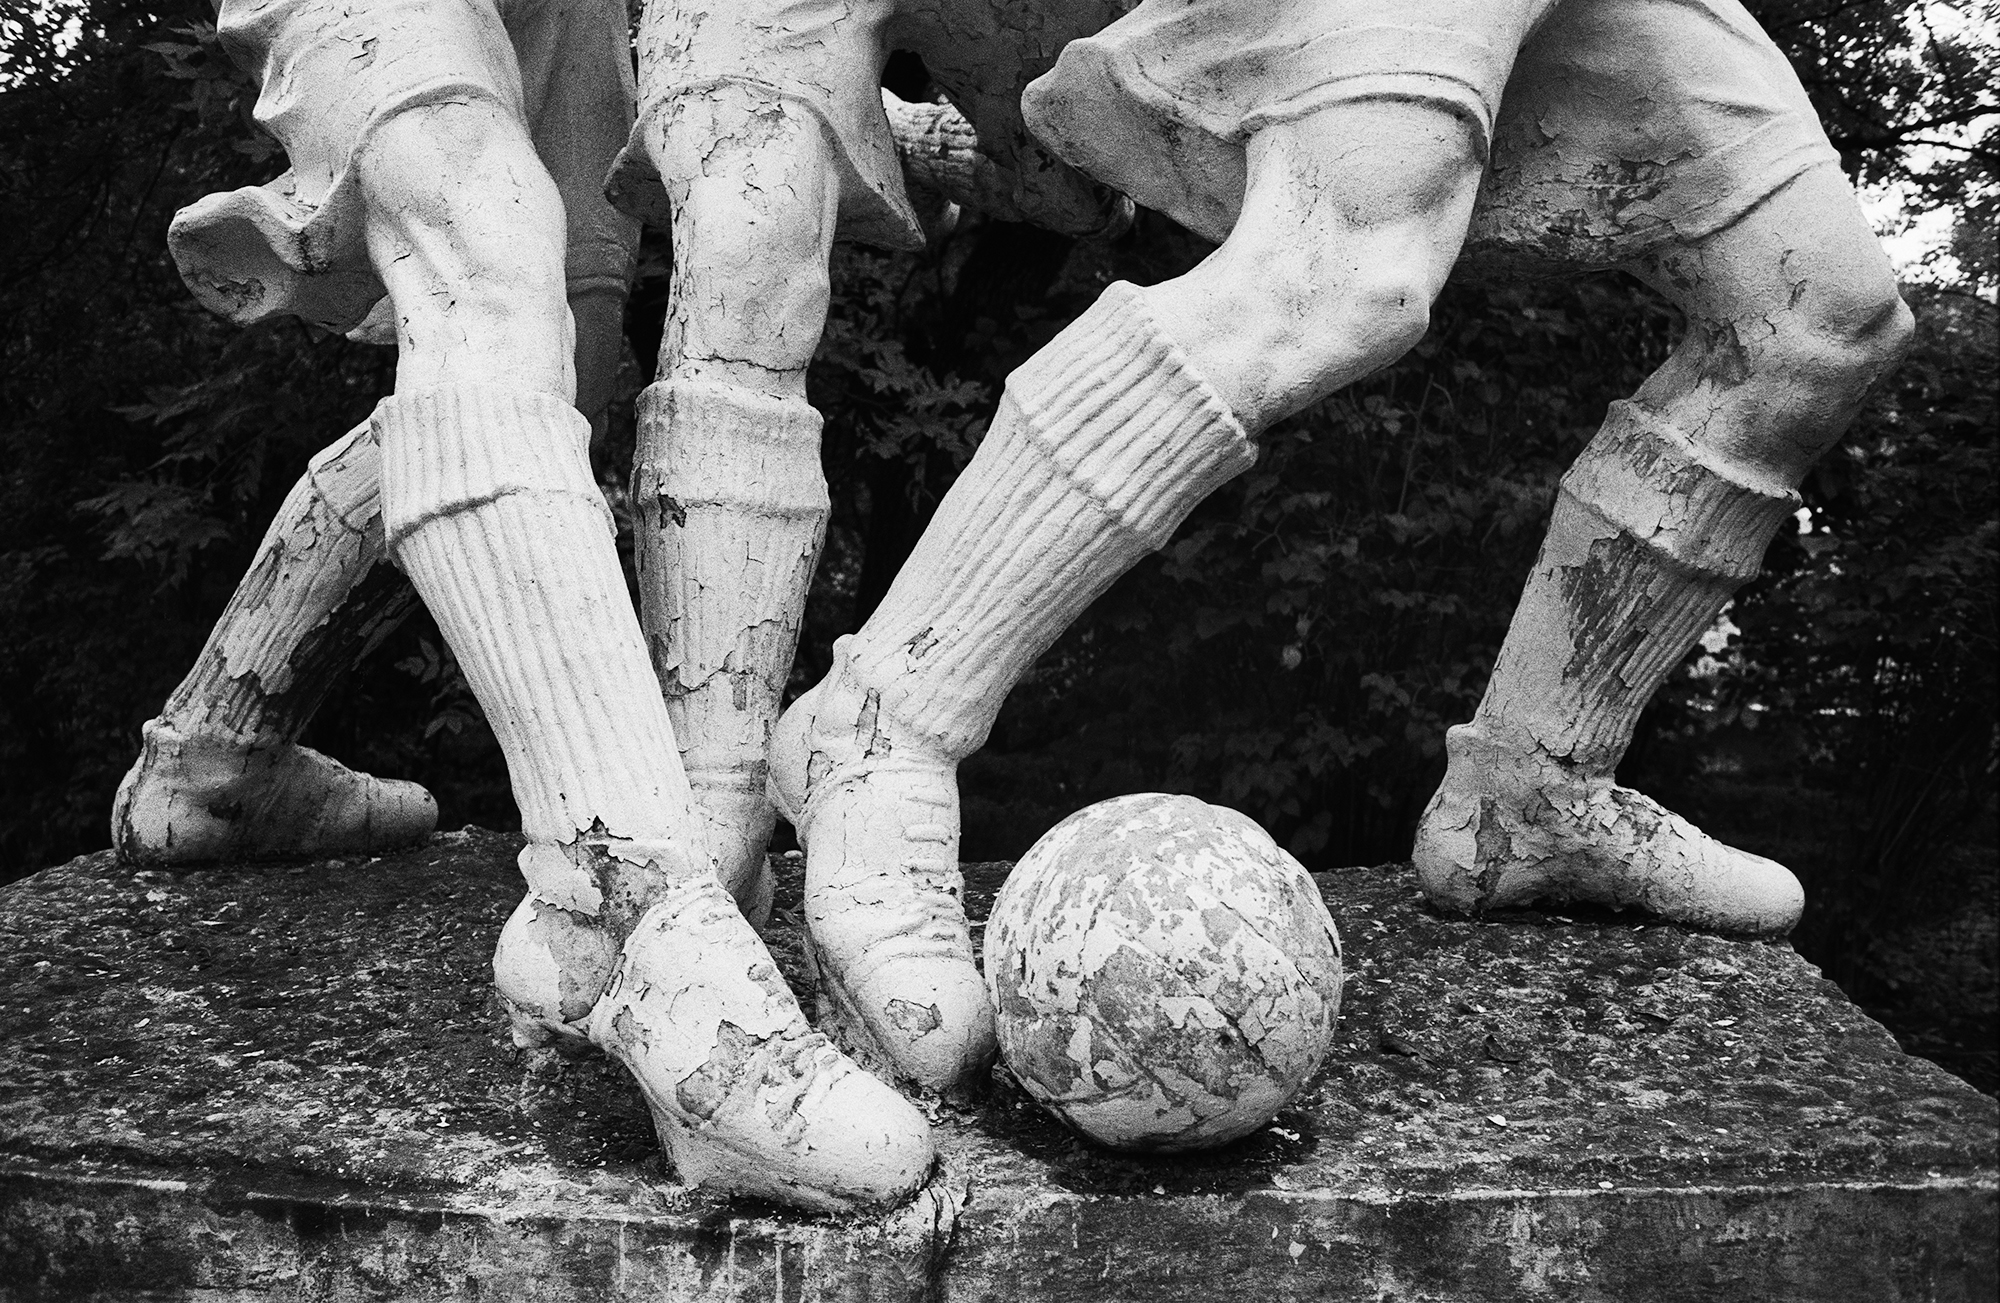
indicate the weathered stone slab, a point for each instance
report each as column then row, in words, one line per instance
column 289, row 1082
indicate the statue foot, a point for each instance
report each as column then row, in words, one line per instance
column 1511, row 827
column 552, row 963
column 738, row 818
column 745, row 1095
column 884, row 897
column 550, row 967
column 192, row 798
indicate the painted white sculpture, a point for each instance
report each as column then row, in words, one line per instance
column 423, row 135
column 764, row 134
column 1344, row 153
column 222, row 777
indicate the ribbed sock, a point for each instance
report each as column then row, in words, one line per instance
column 1650, row 537
column 490, row 508
column 1104, row 442
column 732, row 511
column 311, row 604
column 220, row 775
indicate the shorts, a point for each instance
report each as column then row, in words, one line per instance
column 330, row 71
column 826, row 57
column 1630, row 125
column 1604, row 125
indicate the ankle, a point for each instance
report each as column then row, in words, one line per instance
column 866, row 705
column 1490, row 756
column 610, row 880
column 838, row 730
column 207, row 758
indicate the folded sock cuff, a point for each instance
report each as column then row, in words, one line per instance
column 346, row 475
column 1105, row 441
column 710, row 444
column 517, row 441
column 1126, row 418
column 1649, row 480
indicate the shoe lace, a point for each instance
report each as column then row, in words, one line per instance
column 926, row 890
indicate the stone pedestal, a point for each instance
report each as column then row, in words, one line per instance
column 291, row 1082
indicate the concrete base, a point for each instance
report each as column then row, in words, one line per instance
column 290, row 1082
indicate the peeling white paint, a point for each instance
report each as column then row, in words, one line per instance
column 221, row 775
column 1100, row 449
column 1126, row 1009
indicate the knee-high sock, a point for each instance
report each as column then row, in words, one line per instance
column 1102, row 445
column 732, row 511
column 490, row 507
column 220, row 777
column 1105, row 440
column 1650, row 537
column 491, row 510
column 312, row 603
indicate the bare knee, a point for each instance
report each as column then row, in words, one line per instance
column 1272, row 344
column 1352, row 220
column 1382, row 315
column 1858, row 333
column 1773, row 389
column 1793, row 316
column 751, row 285
column 467, row 231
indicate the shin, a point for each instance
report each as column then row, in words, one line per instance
column 730, row 498
column 1666, row 514
column 221, row 776
column 1103, row 443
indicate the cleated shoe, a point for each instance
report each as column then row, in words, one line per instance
column 745, row 1095
column 885, row 913
column 1506, row 831
column 194, row 798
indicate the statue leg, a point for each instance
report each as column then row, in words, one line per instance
column 1792, row 314
column 730, row 498
column 626, row 936
column 1103, row 443
column 221, row 775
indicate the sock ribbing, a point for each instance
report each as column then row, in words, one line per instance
column 347, row 476
column 732, row 509
column 1103, row 443
column 1120, row 410
column 1649, row 538
column 716, row 444
column 525, row 443
column 511, row 547
column 1649, row 480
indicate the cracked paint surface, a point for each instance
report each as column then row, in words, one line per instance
column 220, row 774
column 746, row 1094
column 1651, row 534
column 1165, row 976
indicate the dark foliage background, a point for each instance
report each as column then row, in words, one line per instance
column 1297, row 651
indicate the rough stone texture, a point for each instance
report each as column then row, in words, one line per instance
column 282, row 1082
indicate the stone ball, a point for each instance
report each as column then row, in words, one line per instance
column 1164, row 976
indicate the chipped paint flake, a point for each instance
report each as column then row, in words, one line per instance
column 1165, row 976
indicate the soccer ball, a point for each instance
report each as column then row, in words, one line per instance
column 1164, row 976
